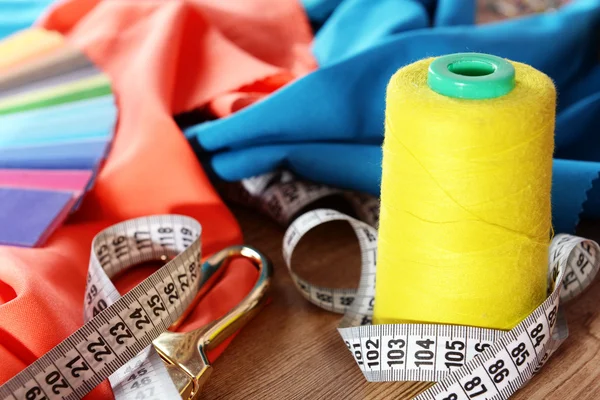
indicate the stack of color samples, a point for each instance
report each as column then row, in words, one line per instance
column 57, row 118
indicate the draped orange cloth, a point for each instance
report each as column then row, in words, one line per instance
column 163, row 57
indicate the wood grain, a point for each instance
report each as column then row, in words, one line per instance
column 292, row 350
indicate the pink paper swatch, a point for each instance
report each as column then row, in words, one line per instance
column 71, row 180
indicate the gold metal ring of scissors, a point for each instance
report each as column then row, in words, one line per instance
column 184, row 354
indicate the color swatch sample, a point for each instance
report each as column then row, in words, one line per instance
column 28, row 215
column 57, row 118
column 69, row 180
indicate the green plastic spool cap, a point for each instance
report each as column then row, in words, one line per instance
column 471, row 76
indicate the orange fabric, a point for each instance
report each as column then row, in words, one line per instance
column 164, row 57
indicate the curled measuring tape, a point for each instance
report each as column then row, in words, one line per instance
column 125, row 338
column 282, row 197
column 466, row 362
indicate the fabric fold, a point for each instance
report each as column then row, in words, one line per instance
column 343, row 102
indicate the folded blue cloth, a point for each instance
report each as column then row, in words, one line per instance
column 20, row 14
column 328, row 126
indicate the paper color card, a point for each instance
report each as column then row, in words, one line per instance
column 26, row 45
column 57, row 62
column 95, row 86
column 68, row 126
column 57, row 120
column 63, row 180
column 58, row 113
column 28, row 216
column 51, row 81
column 85, row 154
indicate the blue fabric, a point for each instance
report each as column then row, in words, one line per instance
column 20, row 14
column 328, row 126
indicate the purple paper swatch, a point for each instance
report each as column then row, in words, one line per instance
column 28, row 217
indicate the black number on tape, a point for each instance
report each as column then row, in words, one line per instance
column 519, row 354
column 396, row 354
column 156, row 304
column 143, row 240
column 569, row 279
column 451, row 396
column 582, row 262
column 57, row 382
column 497, row 371
column 143, row 382
column 346, row 301
column 473, row 384
column 455, row 345
column 424, row 356
column 192, row 269
column 372, row 352
column 168, row 240
column 369, row 235
column 142, row 319
column 121, row 332
column 99, row 349
column 92, row 293
column 100, row 305
column 455, row 357
column 103, row 255
column 171, row 292
column 141, row 372
column 324, row 297
column 75, row 368
column 366, row 320
column 357, row 353
column 481, row 347
column 32, row 394
column 120, row 246
column 552, row 316
column 183, row 282
column 535, row 334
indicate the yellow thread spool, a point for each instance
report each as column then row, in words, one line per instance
column 465, row 196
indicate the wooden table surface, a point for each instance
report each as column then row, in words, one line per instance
column 292, row 350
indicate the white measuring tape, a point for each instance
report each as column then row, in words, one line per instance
column 467, row 362
column 115, row 340
column 282, row 197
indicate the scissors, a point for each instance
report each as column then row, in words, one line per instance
column 184, row 354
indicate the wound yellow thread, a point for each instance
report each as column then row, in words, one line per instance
column 465, row 202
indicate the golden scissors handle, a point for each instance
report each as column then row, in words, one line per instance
column 184, row 354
